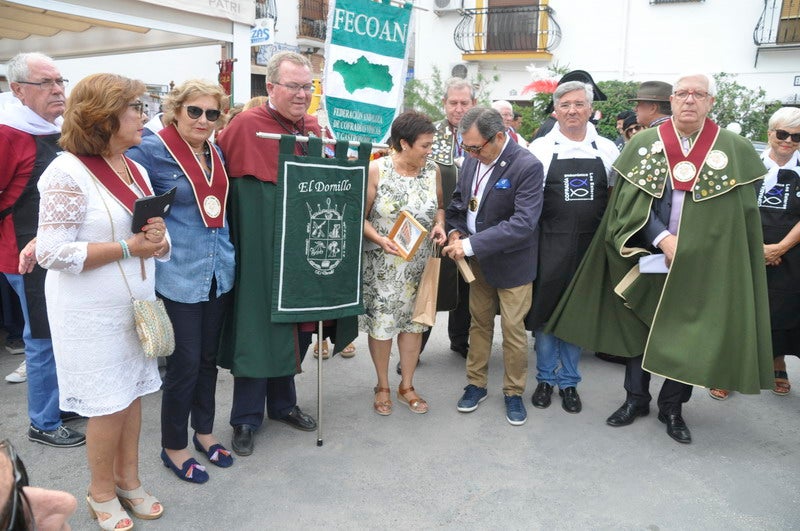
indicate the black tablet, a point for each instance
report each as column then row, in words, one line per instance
column 150, row 207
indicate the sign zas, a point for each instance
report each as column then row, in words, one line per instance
column 263, row 33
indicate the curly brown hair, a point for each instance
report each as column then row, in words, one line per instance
column 93, row 111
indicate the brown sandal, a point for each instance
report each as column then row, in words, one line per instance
column 382, row 407
column 782, row 385
column 718, row 394
column 416, row 405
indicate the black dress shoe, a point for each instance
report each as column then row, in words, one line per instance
column 297, row 419
column 66, row 416
column 462, row 349
column 242, row 442
column 570, row 400
column 627, row 414
column 541, row 396
column 676, row 428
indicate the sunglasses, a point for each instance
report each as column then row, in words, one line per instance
column 15, row 519
column 783, row 135
column 212, row 115
column 474, row 149
column 634, row 128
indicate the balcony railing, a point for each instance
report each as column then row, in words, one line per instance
column 313, row 17
column 507, row 29
column 779, row 23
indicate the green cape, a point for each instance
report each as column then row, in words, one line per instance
column 251, row 344
column 704, row 323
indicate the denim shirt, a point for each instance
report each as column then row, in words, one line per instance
column 199, row 254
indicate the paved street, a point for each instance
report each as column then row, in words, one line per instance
column 451, row 470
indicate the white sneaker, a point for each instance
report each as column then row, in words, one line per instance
column 19, row 375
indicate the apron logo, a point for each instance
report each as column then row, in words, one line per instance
column 777, row 197
column 579, row 187
column 325, row 244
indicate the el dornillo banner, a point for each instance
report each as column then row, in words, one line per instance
column 319, row 225
column 366, row 55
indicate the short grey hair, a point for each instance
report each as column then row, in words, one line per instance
column 571, row 86
column 712, row 84
column 279, row 58
column 488, row 122
column 17, row 68
column 459, row 83
column 785, row 117
column 501, row 105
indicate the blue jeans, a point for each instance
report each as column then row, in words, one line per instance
column 552, row 351
column 42, row 380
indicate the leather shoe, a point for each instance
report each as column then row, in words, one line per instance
column 626, row 414
column 242, row 442
column 570, row 400
column 461, row 348
column 297, row 419
column 676, row 428
column 541, row 396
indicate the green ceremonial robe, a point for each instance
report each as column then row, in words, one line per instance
column 706, row 322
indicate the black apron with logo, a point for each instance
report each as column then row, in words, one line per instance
column 780, row 212
column 26, row 221
column 575, row 197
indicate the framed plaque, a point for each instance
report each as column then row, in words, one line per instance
column 407, row 234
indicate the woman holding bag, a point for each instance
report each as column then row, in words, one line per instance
column 95, row 266
column 404, row 181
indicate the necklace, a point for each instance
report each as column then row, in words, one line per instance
column 414, row 171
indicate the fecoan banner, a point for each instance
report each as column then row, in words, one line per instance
column 366, row 56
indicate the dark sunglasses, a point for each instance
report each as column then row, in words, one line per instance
column 783, row 135
column 474, row 149
column 212, row 115
column 18, row 503
column 634, row 128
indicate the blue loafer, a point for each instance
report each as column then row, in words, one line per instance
column 217, row 454
column 191, row 471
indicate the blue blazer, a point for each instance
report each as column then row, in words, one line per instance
column 506, row 243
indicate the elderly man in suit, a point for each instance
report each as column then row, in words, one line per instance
column 493, row 220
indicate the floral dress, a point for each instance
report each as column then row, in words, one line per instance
column 389, row 281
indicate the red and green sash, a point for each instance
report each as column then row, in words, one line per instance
column 684, row 168
column 111, row 181
column 210, row 192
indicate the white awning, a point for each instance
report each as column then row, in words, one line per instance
column 80, row 28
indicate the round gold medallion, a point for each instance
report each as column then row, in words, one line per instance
column 212, row 206
column 684, row 171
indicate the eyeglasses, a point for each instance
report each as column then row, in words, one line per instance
column 48, row 84
column 579, row 106
column 783, row 135
column 683, row 95
column 308, row 88
column 634, row 128
column 18, row 502
column 194, row 112
column 138, row 106
column 474, row 149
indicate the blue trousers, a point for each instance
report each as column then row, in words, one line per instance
column 556, row 361
column 43, row 407
column 251, row 394
column 190, row 383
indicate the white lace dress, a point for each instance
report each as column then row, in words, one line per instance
column 100, row 363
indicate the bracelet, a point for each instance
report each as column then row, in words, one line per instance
column 126, row 252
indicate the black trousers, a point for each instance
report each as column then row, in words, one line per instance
column 637, row 384
column 190, row 382
column 250, row 395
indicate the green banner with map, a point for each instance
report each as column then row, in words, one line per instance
column 366, row 56
column 319, row 226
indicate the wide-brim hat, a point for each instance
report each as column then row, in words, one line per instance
column 584, row 77
column 653, row 91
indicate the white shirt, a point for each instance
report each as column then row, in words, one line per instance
column 771, row 179
column 555, row 142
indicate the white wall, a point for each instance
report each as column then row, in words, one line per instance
column 629, row 40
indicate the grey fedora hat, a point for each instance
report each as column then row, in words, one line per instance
column 653, row 91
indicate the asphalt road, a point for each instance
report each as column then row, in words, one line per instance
column 452, row 470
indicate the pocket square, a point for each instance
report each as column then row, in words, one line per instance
column 503, row 184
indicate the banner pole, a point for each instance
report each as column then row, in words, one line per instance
column 299, row 138
column 319, row 383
